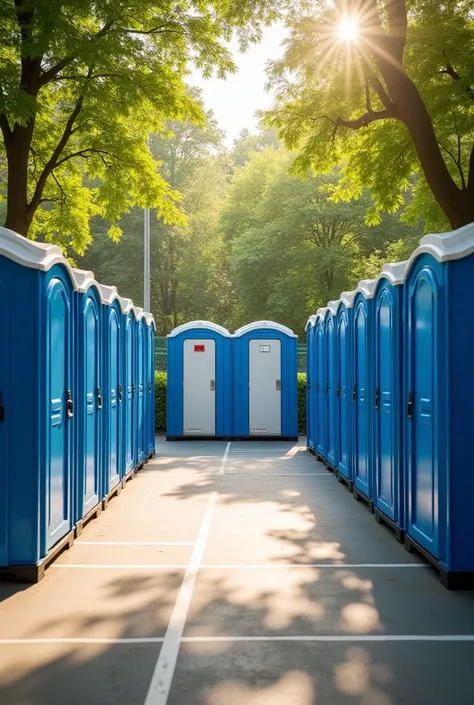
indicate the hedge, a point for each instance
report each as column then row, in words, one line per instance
column 160, row 402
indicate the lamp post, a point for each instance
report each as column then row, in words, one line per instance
column 146, row 256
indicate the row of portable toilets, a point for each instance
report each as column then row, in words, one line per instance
column 76, row 400
column 390, row 398
column 232, row 386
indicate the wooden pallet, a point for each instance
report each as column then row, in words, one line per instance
column 360, row 496
column 35, row 573
column 381, row 518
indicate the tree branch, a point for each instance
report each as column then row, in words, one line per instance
column 51, row 73
column 451, row 71
column 398, row 24
column 53, row 160
column 364, row 120
column 457, row 162
column 470, row 177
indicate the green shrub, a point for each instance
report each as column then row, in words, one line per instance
column 160, row 403
column 302, row 403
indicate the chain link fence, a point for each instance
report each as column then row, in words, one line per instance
column 160, row 355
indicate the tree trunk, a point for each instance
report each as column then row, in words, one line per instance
column 17, row 148
column 456, row 203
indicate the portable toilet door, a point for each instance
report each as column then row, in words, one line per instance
column 265, row 378
column 331, row 386
column 344, row 387
column 311, row 399
column 362, row 392
column 141, row 397
column 388, row 307
column 322, row 354
column 90, row 395
column 129, row 443
column 113, row 389
column 426, row 429
column 5, row 374
column 199, row 388
column 150, row 367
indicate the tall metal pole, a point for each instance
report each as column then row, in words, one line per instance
column 146, row 258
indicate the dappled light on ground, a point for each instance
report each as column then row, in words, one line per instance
column 293, row 687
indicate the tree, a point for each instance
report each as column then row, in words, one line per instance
column 293, row 248
column 397, row 100
column 82, row 84
column 189, row 262
column 248, row 142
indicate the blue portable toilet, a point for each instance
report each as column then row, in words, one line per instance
column 321, row 373
column 90, row 405
column 265, row 381
column 199, row 387
column 439, row 403
column 331, row 388
column 362, row 395
column 344, row 387
column 37, row 404
column 311, row 398
column 113, row 396
column 150, row 385
column 142, row 379
column 387, row 357
column 129, row 444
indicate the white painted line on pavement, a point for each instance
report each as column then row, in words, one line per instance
column 224, row 459
column 270, row 638
column 231, row 566
column 282, row 474
column 85, row 640
column 330, row 637
column 134, row 543
column 164, row 670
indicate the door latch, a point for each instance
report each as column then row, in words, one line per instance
column 99, row 398
column 338, row 392
column 410, row 405
column 377, row 398
column 278, row 385
column 308, row 386
column 326, row 389
column 149, row 387
column 134, row 390
column 69, row 404
column 2, row 410
column 354, row 392
column 317, row 386
column 120, row 392
column 213, row 385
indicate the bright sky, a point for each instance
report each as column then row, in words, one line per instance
column 235, row 100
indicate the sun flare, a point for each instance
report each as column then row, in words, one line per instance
column 348, row 29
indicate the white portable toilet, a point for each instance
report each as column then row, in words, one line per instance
column 199, row 382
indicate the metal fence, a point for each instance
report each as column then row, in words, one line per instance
column 160, row 355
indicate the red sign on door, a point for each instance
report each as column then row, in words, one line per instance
column 199, row 348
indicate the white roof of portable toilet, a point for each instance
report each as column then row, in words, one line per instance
column 445, row 246
column 32, row 254
column 271, row 325
column 310, row 323
column 333, row 306
column 321, row 312
column 394, row 272
column 192, row 325
column 366, row 287
column 347, row 298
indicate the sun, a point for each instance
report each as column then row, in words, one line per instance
column 348, row 29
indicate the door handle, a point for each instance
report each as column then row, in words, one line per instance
column 317, row 386
column 149, row 387
column 326, row 389
column 99, row 398
column 134, row 390
column 308, row 386
column 120, row 392
column 69, row 404
column 377, row 399
column 410, row 405
column 354, row 392
column 213, row 385
column 338, row 391
column 278, row 385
